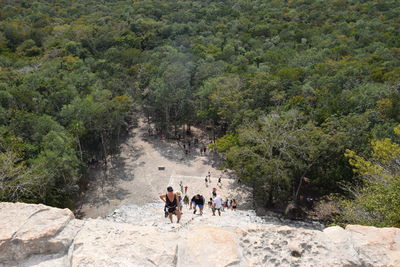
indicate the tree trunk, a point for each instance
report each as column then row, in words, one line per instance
column 166, row 121
column 80, row 148
column 104, row 154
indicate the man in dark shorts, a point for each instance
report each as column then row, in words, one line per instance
column 171, row 203
column 197, row 201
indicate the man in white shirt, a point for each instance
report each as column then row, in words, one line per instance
column 217, row 204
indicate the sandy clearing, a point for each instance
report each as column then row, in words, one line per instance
column 134, row 177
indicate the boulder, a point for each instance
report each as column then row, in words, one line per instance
column 375, row 246
column 28, row 229
column 294, row 211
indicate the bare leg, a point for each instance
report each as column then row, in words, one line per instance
column 170, row 216
column 178, row 215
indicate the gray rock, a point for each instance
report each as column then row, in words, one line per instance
column 37, row 235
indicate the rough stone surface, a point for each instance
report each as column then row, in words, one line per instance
column 104, row 243
column 208, row 246
column 28, row 229
column 37, row 235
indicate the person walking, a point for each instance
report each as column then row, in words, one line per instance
column 180, row 201
column 186, row 200
column 210, row 203
column 171, row 204
column 186, row 188
column 226, row 204
column 234, row 204
column 214, row 190
column 219, row 181
column 217, row 204
column 197, row 201
column 181, row 186
column 206, row 180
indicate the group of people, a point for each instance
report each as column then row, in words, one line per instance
column 188, row 146
column 174, row 203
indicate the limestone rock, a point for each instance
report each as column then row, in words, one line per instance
column 28, row 229
column 208, row 246
column 37, row 235
column 375, row 246
column 104, row 243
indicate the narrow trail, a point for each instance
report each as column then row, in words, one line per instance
column 134, row 177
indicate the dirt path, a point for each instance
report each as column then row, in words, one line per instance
column 134, row 176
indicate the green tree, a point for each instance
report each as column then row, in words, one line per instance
column 377, row 200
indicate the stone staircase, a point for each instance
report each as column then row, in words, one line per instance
column 38, row 235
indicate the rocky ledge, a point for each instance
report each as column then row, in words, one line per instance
column 38, row 235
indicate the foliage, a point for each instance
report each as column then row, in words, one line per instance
column 376, row 200
column 287, row 86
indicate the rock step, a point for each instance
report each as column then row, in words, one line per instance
column 37, row 235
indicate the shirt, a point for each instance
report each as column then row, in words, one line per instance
column 218, row 202
column 198, row 201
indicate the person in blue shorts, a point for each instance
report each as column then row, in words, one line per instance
column 197, row 201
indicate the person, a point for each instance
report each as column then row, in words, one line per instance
column 210, row 203
column 226, row 204
column 206, row 180
column 219, row 181
column 171, row 204
column 234, row 204
column 186, row 188
column 197, row 201
column 209, row 176
column 180, row 203
column 217, row 204
column 181, row 186
column 186, row 200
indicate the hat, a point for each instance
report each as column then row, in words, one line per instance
column 170, row 189
column 179, row 193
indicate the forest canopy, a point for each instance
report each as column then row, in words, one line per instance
column 287, row 86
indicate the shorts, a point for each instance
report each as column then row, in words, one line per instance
column 171, row 210
column 214, row 209
column 199, row 205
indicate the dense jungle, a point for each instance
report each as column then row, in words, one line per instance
column 303, row 97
